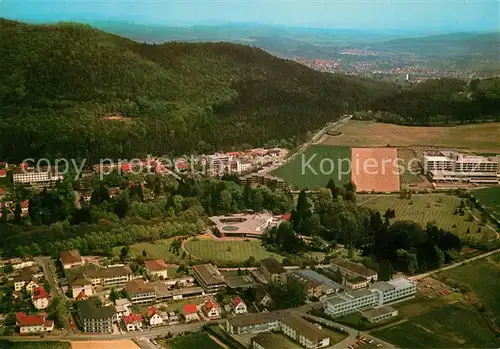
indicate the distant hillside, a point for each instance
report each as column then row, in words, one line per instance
column 456, row 45
column 59, row 82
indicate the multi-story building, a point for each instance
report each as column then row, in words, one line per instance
column 36, row 177
column 107, row 277
column 452, row 166
column 290, row 324
column 273, row 270
column 380, row 293
column 312, row 286
column 157, row 268
column 209, row 278
column 218, row 162
column 33, row 324
column 71, row 259
column 25, row 280
column 81, row 288
column 327, row 286
column 353, row 273
column 140, row 292
column 93, row 318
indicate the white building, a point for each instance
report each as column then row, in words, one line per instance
column 33, row 324
column 379, row 293
column 133, row 322
column 36, row 177
column 82, row 287
column 451, row 166
column 122, row 308
column 40, row 298
column 380, row 314
column 157, row 268
column 155, row 319
column 239, row 307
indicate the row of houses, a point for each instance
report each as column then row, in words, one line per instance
column 308, row 335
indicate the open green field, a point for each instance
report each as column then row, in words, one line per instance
column 191, row 341
column 35, row 345
column 407, row 158
column 228, row 250
column 476, row 137
column 426, row 208
column 326, row 162
column 452, row 326
column 489, row 198
column 159, row 249
column 483, row 277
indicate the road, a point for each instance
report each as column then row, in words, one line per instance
column 49, row 272
column 454, row 265
column 313, row 139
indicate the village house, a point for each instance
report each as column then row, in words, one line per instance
column 157, row 268
column 273, row 270
column 34, row 324
column 190, row 313
column 239, row 307
column 133, row 322
column 80, row 286
column 262, row 298
column 154, row 317
column 18, row 263
column 40, row 298
column 25, row 280
column 211, row 309
column 71, row 259
column 122, row 308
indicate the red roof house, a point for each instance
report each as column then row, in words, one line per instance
column 190, row 309
column 190, row 313
column 39, row 293
column 239, row 307
column 3, row 173
column 2, row 191
column 133, row 321
column 152, row 311
column 286, row 217
column 30, row 324
column 211, row 309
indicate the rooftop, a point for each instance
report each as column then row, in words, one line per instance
column 209, row 274
column 138, row 287
column 30, row 320
column 309, row 282
column 382, row 286
column 270, row 340
column 401, row 283
column 156, row 265
column 39, row 293
column 311, row 331
column 320, row 278
column 254, row 223
column 272, row 266
column 88, row 309
column 190, row 309
column 256, row 318
column 378, row 311
column 354, row 268
column 359, row 293
column 70, row 257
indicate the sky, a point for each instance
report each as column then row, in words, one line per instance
column 434, row 15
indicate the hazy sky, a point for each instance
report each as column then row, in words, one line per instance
column 451, row 15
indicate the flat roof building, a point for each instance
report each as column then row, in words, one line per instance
column 380, row 314
column 209, row 278
column 242, row 224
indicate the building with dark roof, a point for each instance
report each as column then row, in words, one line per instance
column 355, row 272
column 273, row 270
column 209, row 278
column 140, row 292
column 269, row 341
column 93, row 318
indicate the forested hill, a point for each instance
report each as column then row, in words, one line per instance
column 59, row 84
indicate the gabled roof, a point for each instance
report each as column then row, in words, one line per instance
column 81, row 282
column 237, row 301
column 138, row 286
column 152, row 311
column 272, row 266
column 190, row 309
column 156, row 265
column 39, row 293
column 209, row 305
column 30, row 320
column 81, row 296
column 70, row 257
column 209, row 274
column 131, row 318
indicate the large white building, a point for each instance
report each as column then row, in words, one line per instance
column 452, row 166
column 34, row 177
column 379, row 293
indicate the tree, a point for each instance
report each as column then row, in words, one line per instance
column 8, row 269
column 333, row 188
column 175, row 246
column 124, row 253
column 144, row 253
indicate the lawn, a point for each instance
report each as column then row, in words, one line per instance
column 225, row 251
column 35, row 345
column 483, row 277
column 489, row 198
column 408, row 159
column 452, row 326
column 477, row 137
column 159, row 249
column 195, row 340
column 316, row 166
column 426, row 208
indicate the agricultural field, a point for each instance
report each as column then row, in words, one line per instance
column 489, row 198
column 190, row 341
column 159, row 249
column 408, row 160
column 326, row 162
column 481, row 138
column 483, row 278
column 224, row 251
column 452, row 326
column 427, row 208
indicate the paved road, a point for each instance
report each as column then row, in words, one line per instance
column 454, row 265
column 49, row 272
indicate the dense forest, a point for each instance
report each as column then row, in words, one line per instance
column 60, row 84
